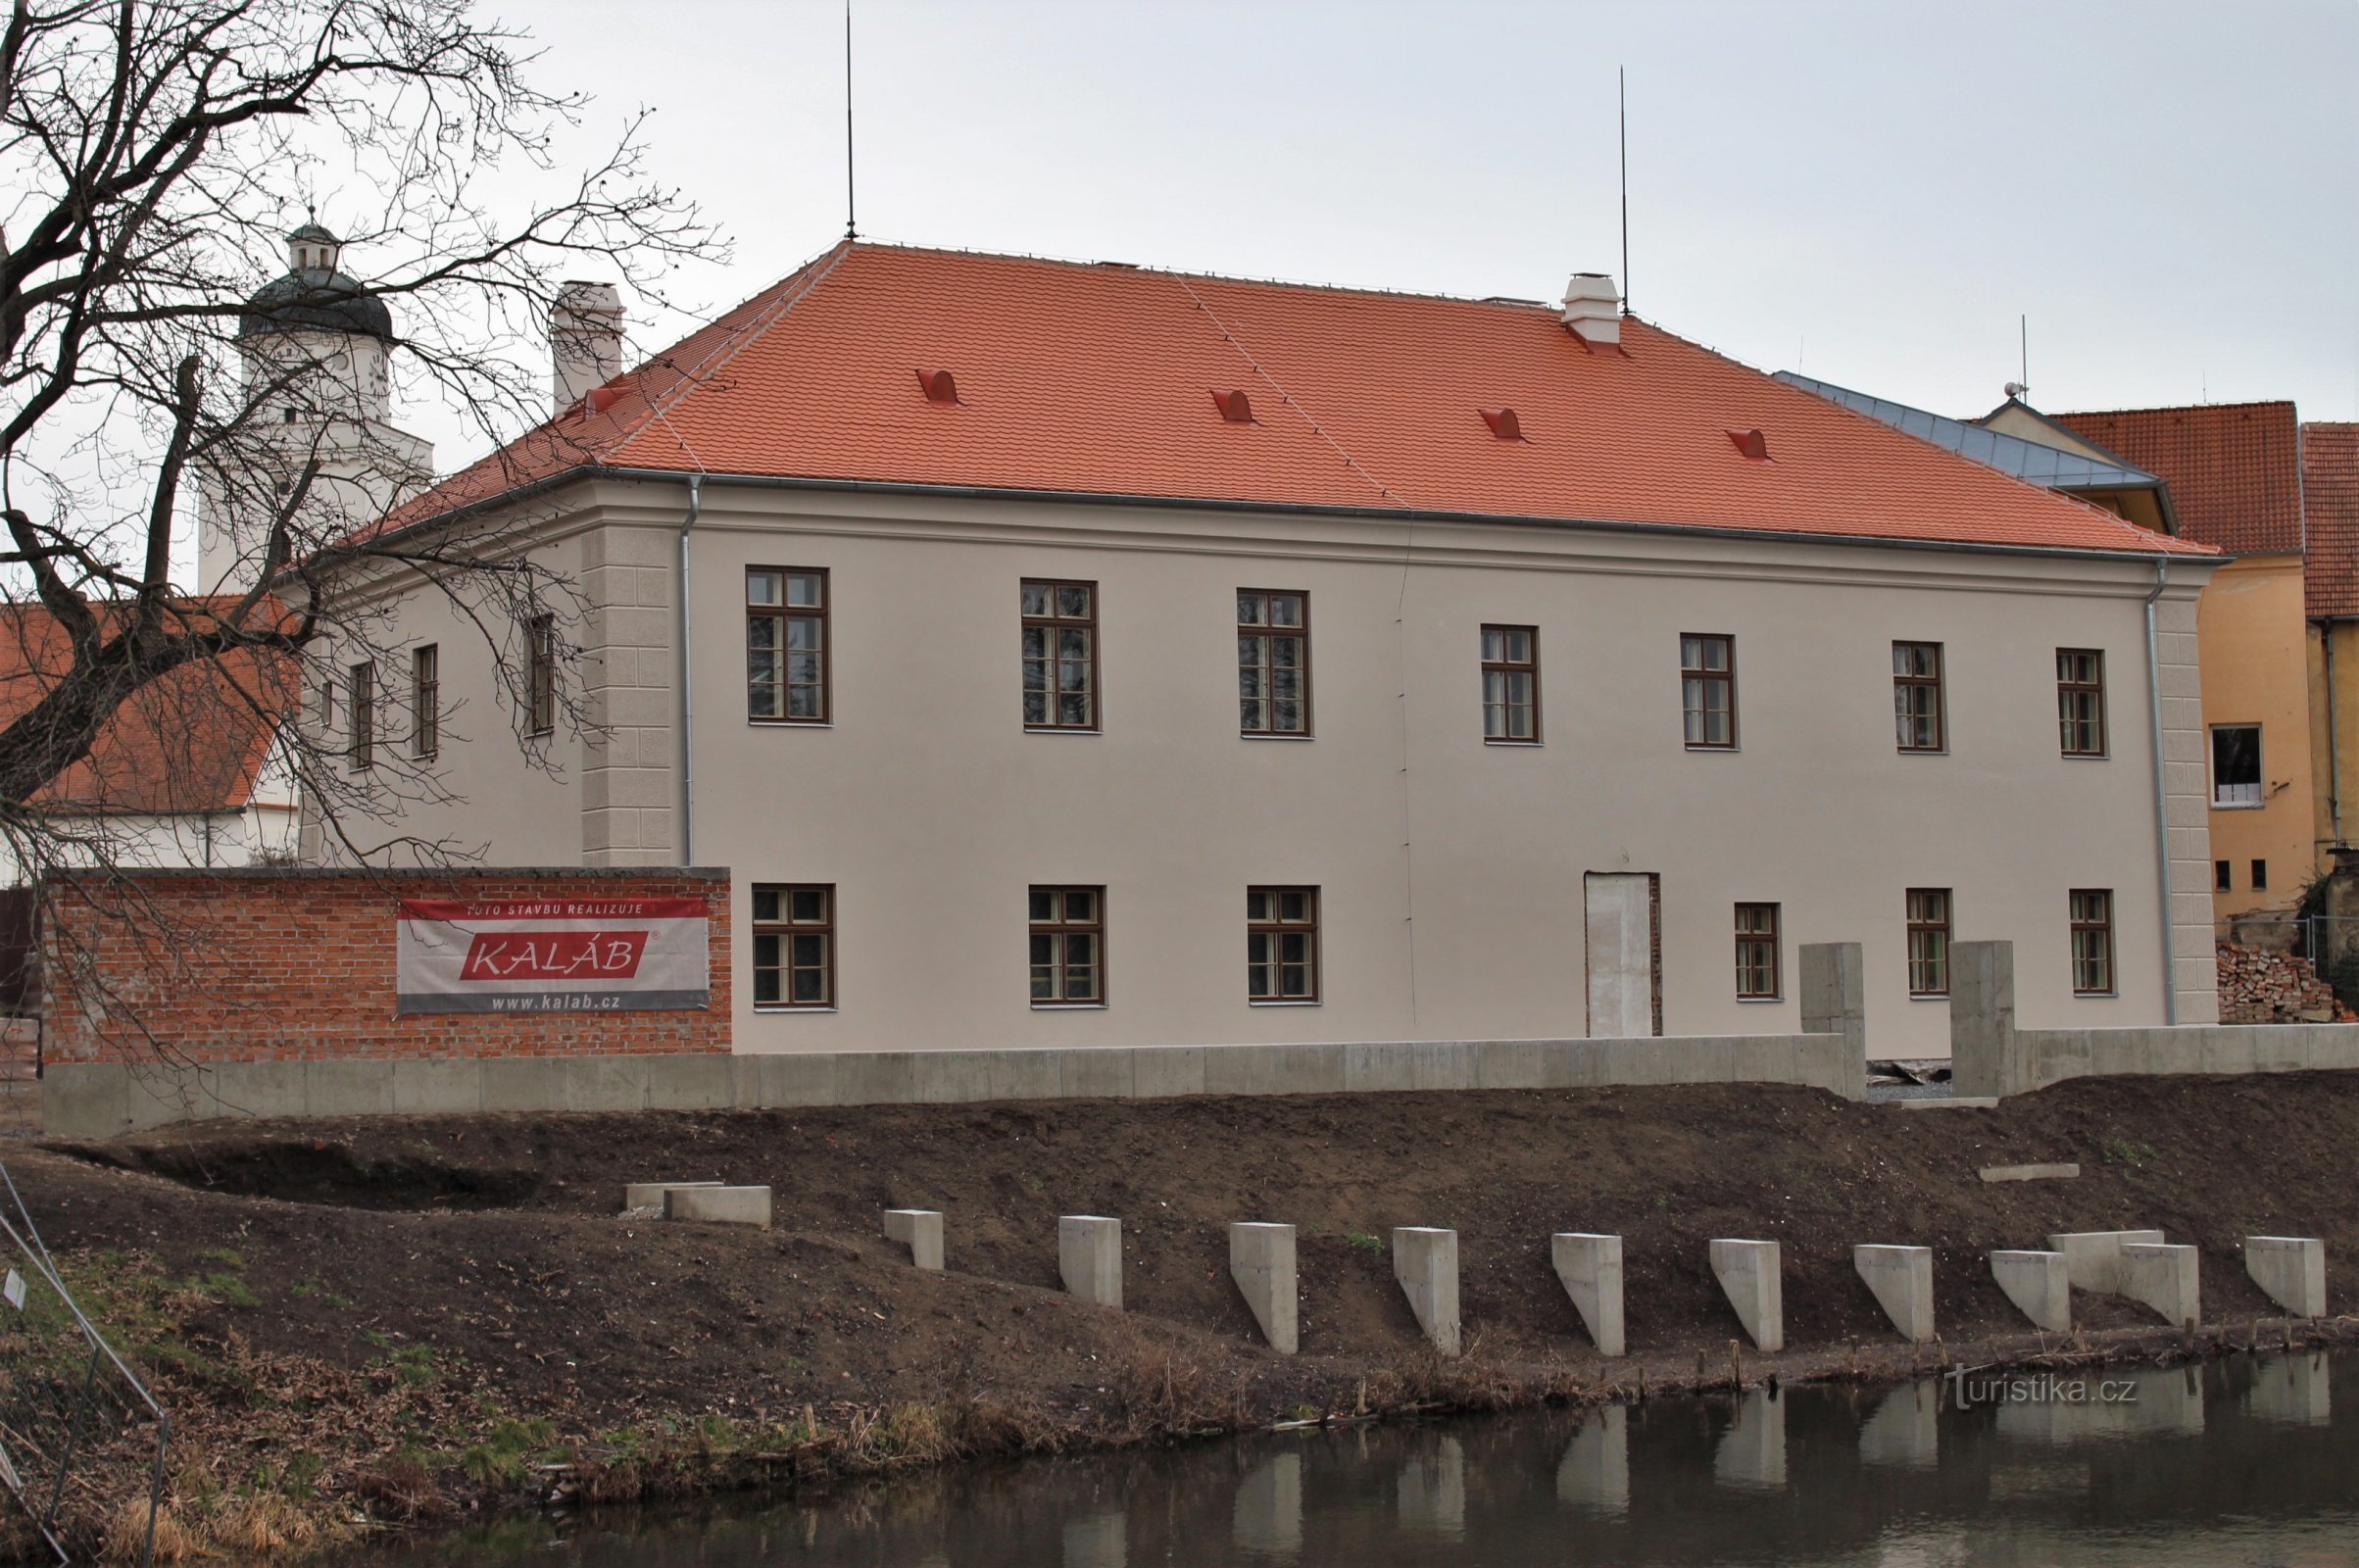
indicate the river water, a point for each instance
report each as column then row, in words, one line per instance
column 2238, row 1461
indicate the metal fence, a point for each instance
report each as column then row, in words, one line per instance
column 70, row 1408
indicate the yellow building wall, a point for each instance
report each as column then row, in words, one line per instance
column 2256, row 659
column 2334, row 728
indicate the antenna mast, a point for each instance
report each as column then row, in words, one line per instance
column 1621, row 79
column 851, row 227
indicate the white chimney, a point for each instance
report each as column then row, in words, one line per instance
column 585, row 342
column 1593, row 308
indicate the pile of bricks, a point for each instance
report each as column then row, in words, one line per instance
column 2257, row 987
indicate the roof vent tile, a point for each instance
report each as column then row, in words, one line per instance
column 1234, row 407
column 1751, row 444
column 940, row 386
column 1504, row 424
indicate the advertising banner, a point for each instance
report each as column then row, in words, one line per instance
column 552, row 955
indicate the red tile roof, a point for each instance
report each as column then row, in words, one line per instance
column 1093, row 379
column 2330, row 473
column 193, row 740
column 2233, row 468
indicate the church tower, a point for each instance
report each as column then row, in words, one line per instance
column 317, row 348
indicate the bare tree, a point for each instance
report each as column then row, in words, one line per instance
column 154, row 157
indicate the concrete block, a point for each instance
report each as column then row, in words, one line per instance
column 1159, row 1072
column 2061, row 1054
column 718, row 1205
column 437, row 1088
column 1378, row 1067
column 1261, row 1260
column 950, row 1077
column 1764, row 1060
column 1443, row 1064
column 2040, row 1284
column 1089, row 1256
column 603, row 1083
column 875, row 1077
column 793, row 1079
column 2163, row 1278
column 259, row 1089
column 1595, row 1472
column 1312, row 1069
column 1239, row 1069
column 1988, row 1055
column 2064, row 1172
column 688, row 1083
column 2173, row 1051
column 1425, row 1261
column 2226, row 1050
column 745, row 1082
column 1024, row 1074
column 1591, row 1269
column 523, row 1084
column 1902, row 1278
column 2291, row 1270
column 86, row 1100
column 1750, row 1275
column 1510, row 1063
column 1572, row 1064
column 650, row 1194
column 1104, row 1073
column 2093, row 1259
column 348, row 1087
column 921, row 1229
column 1629, row 1062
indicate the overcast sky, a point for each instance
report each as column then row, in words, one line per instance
column 1872, row 193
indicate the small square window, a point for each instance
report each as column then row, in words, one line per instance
column 794, row 946
column 1068, row 947
column 1282, row 944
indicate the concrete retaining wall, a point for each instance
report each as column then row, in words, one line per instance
column 93, row 1099
column 1991, row 1054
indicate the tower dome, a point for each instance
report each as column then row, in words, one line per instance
column 313, row 296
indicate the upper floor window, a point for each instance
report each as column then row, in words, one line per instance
column 1707, row 669
column 1757, row 977
column 1068, row 947
column 1510, row 683
column 1282, row 944
column 2092, row 942
column 360, row 713
column 1929, row 942
column 794, row 946
column 786, row 645
column 1060, row 655
column 1273, row 662
column 2236, row 766
column 1917, row 696
column 425, row 701
column 2080, row 701
column 540, row 674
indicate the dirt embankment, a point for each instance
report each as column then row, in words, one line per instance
column 435, row 1308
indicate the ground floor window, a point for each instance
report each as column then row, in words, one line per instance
column 1929, row 942
column 1282, row 944
column 794, row 946
column 1068, row 947
column 2092, row 942
column 1757, row 952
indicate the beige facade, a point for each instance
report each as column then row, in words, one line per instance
column 1452, row 873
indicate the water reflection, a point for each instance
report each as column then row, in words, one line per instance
column 2235, row 1462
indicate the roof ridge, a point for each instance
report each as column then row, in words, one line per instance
column 2172, row 407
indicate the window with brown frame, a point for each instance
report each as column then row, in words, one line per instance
column 1060, row 655
column 425, row 701
column 1273, row 662
column 1917, row 706
column 1512, row 685
column 540, row 674
column 786, row 645
column 1707, row 669
column 1757, row 976
column 1929, row 942
column 1068, row 947
column 2092, row 942
column 794, row 945
column 359, row 714
column 2080, row 701
column 1282, row 944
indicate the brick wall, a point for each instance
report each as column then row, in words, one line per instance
column 268, row 965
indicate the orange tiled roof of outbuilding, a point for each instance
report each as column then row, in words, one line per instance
column 2234, row 469
column 1097, row 379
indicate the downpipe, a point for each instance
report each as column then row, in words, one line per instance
column 696, row 507
column 2162, row 820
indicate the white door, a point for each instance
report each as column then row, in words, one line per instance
column 1621, row 956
